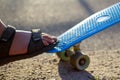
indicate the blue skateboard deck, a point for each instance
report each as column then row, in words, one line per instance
column 88, row 27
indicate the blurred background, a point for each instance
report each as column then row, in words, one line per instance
column 56, row 16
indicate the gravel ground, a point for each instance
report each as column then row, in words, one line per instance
column 55, row 17
column 104, row 66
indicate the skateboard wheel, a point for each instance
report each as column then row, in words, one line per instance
column 63, row 56
column 80, row 61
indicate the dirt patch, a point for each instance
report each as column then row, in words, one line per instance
column 104, row 65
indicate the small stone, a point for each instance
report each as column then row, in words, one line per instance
column 116, row 66
column 54, row 60
column 91, row 71
column 118, row 51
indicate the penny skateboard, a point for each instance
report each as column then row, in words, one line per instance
column 68, row 48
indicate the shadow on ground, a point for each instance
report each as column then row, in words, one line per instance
column 6, row 60
column 66, row 72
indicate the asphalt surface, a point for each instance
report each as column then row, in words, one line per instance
column 56, row 16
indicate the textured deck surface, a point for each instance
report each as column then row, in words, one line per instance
column 94, row 24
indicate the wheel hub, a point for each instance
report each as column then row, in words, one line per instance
column 82, row 62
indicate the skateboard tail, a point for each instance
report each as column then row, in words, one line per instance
column 88, row 27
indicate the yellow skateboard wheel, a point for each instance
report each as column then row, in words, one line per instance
column 79, row 61
column 63, row 56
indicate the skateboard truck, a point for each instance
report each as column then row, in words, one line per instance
column 77, row 48
column 76, row 58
